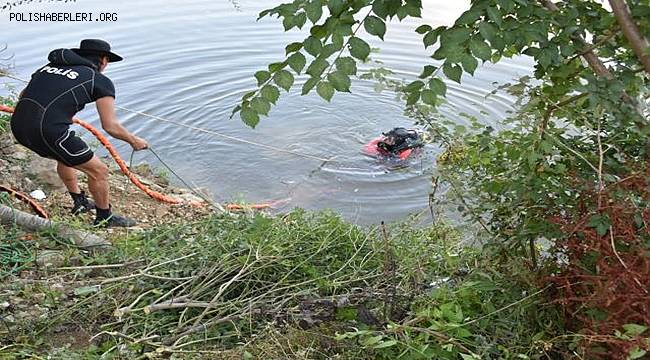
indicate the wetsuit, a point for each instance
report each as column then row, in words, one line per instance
column 54, row 95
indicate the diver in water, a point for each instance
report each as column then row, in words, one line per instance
column 399, row 142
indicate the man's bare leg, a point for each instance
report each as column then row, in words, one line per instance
column 97, row 174
column 69, row 177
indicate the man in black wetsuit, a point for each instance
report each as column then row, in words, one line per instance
column 44, row 113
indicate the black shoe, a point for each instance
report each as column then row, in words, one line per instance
column 81, row 204
column 115, row 221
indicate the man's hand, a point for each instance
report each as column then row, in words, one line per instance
column 139, row 143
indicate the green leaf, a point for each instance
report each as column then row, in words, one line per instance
column 319, row 31
column 636, row 353
column 284, row 79
column 317, row 67
column 413, row 97
column 313, row 45
column 488, row 31
column 300, row 19
column 427, row 71
column 438, row 86
column 429, row 97
column 494, row 15
column 634, row 329
column 430, row 38
column 346, row 65
column 375, row 26
column 309, row 85
column 386, row 8
column 336, row 7
column 249, row 117
column 601, row 223
column 270, row 93
column 297, row 62
column 273, row 67
column 340, row 81
column 423, row 29
column 325, row 90
column 262, row 76
column 261, row 105
column 469, row 63
column 453, row 72
column 480, row 49
column 293, row 47
column 314, row 11
column 414, row 86
column 359, row 48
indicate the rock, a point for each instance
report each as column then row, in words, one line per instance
column 38, row 194
column 44, row 170
column 19, row 155
column 50, row 258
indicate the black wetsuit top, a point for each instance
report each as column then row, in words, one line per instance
column 56, row 92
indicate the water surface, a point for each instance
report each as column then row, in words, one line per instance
column 191, row 61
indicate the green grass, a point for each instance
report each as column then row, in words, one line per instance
column 301, row 285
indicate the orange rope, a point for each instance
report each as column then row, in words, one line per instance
column 125, row 169
column 24, row 198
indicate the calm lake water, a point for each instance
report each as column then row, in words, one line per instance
column 191, row 61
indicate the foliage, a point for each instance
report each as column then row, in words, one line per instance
column 581, row 127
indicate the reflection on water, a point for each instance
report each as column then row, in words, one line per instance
column 191, row 61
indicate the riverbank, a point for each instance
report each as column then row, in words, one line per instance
column 188, row 283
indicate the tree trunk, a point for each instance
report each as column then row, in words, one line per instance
column 631, row 31
column 10, row 216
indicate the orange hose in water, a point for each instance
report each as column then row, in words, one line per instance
column 125, row 169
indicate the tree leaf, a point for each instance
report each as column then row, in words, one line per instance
column 273, row 67
column 430, row 38
column 423, row 29
column 359, row 48
column 347, row 65
column 375, row 26
column 428, row 97
column 427, row 71
column 317, row 67
column 325, row 90
column 309, row 85
column 438, row 86
column 336, row 7
column 299, row 20
column 313, row 45
column 413, row 97
column 249, row 117
column 453, row 72
column 284, row 79
column 262, row 76
column 261, row 105
column 414, row 86
column 297, row 62
column 340, row 81
column 480, row 49
column 314, row 11
column 293, row 47
column 494, row 15
column 270, row 93
column 469, row 63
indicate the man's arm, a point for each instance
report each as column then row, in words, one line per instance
column 106, row 110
